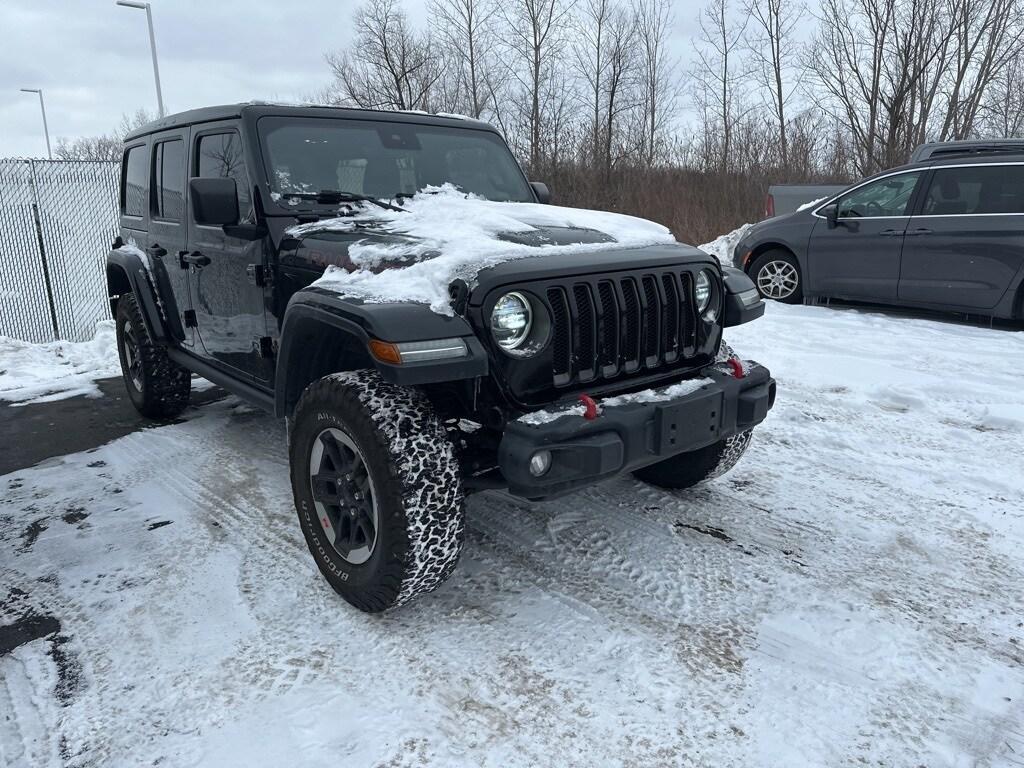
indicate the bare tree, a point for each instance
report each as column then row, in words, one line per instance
column 534, row 31
column 718, row 74
column 464, row 26
column 987, row 37
column 774, row 56
column 107, row 146
column 659, row 90
column 390, row 66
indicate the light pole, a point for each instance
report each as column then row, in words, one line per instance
column 42, row 108
column 152, row 47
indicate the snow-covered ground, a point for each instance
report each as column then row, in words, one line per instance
column 58, row 369
column 851, row 594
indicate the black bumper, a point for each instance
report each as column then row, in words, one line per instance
column 626, row 437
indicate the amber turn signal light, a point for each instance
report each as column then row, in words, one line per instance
column 385, row 352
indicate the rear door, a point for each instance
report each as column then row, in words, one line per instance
column 967, row 243
column 167, row 235
column 228, row 301
column 860, row 257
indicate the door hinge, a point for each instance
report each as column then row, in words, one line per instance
column 266, row 347
column 190, row 318
column 259, row 274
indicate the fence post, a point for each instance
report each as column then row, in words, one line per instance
column 42, row 250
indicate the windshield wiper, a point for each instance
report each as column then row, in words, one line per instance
column 331, row 196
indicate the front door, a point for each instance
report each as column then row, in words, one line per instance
column 229, row 303
column 860, row 257
column 966, row 246
column 167, row 226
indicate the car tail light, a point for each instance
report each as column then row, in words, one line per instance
column 769, row 206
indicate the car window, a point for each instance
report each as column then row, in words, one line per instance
column 133, row 189
column 219, row 155
column 169, row 180
column 886, row 197
column 975, row 190
column 382, row 159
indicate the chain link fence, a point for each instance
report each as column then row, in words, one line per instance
column 57, row 221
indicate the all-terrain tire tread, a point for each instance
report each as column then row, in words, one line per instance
column 167, row 384
column 398, row 426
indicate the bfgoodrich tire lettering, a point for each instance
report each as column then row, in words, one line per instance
column 157, row 386
column 416, row 480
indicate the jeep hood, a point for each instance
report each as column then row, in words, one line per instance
column 442, row 235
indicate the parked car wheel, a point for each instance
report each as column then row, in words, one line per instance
column 377, row 489
column 157, row 386
column 776, row 274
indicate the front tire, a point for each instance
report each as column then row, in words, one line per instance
column 776, row 273
column 158, row 387
column 686, row 470
column 377, row 489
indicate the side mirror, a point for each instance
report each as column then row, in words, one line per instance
column 214, row 201
column 540, row 189
column 831, row 214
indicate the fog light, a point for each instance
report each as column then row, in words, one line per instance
column 540, row 463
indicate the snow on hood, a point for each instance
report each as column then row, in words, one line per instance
column 454, row 235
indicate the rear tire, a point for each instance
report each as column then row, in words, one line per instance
column 688, row 469
column 377, row 489
column 776, row 273
column 157, row 386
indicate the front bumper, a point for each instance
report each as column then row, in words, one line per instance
column 627, row 437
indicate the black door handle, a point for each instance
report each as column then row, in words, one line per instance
column 891, row 232
column 196, row 259
column 156, row 250
column 920, row 231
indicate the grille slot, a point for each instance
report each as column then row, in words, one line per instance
column 617, row 325
column 561, row 342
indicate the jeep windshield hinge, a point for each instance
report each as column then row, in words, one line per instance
column 190, row 318
column 258, row 274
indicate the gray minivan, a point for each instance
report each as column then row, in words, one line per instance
column 944, row 233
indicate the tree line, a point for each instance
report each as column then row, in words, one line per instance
column 594, row 98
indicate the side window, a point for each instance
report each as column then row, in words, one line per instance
column 133, row 181
column 976, row 190
column 220, row 155
column 886, row 197
column 168, row 187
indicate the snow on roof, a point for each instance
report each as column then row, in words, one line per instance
column 453, row 235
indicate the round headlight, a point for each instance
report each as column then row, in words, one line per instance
column 703, row 290
column 511, row 320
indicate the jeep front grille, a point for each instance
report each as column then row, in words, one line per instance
column 604, row 327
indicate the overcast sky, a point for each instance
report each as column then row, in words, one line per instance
column 91, row 58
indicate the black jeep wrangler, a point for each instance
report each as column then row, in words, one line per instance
column 581, row 360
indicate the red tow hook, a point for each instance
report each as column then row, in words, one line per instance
column 737, row 367
column 591, row 407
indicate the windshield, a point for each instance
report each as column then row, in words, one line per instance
column 382, row 160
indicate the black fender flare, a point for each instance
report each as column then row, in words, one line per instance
column 126, row 272
column 742, row 301
column 353, row 324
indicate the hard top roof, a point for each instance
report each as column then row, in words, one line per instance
column 261, row 109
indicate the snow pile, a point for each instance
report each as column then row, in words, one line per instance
column 723, row 246
column 811, row 204
column 443, row 234
column 43, row 372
